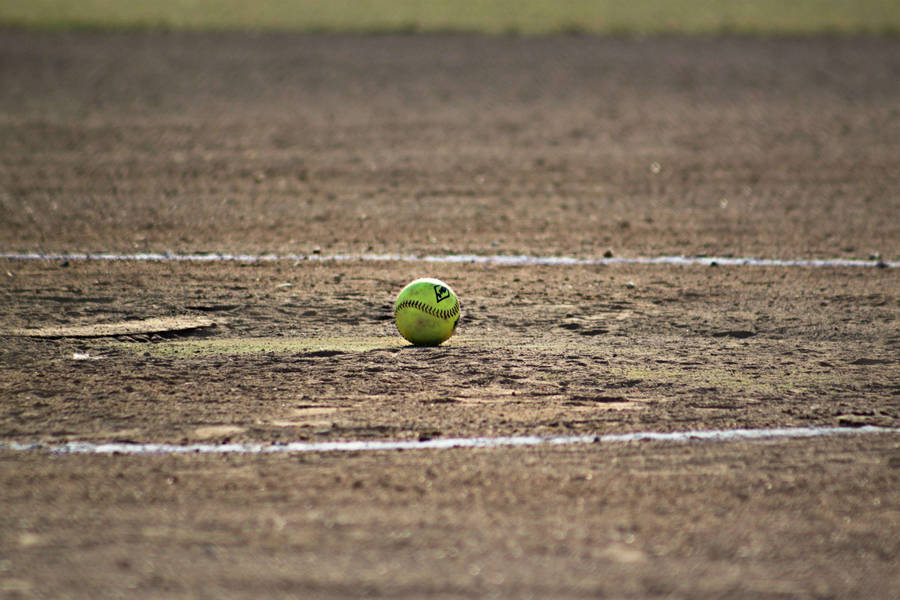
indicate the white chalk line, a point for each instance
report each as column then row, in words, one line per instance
column 715, row 435
column 500, row 260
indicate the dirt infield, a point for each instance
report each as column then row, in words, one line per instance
column 572, row 146
column 175, row 142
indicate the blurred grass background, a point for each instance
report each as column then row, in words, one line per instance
column 763, row 17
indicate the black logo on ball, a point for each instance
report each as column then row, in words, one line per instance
column 440, row 293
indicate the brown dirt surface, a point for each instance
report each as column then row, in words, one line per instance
column 575, row 146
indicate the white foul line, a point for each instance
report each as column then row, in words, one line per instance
column 720, row 435
column 500, row 260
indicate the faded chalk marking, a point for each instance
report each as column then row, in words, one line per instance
column 500, row 260
column 724, row 435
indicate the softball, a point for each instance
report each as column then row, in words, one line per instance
column 426, row 312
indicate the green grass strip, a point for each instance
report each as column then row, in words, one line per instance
column 764, row 17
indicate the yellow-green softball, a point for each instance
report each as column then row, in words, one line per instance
column 426, row 312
